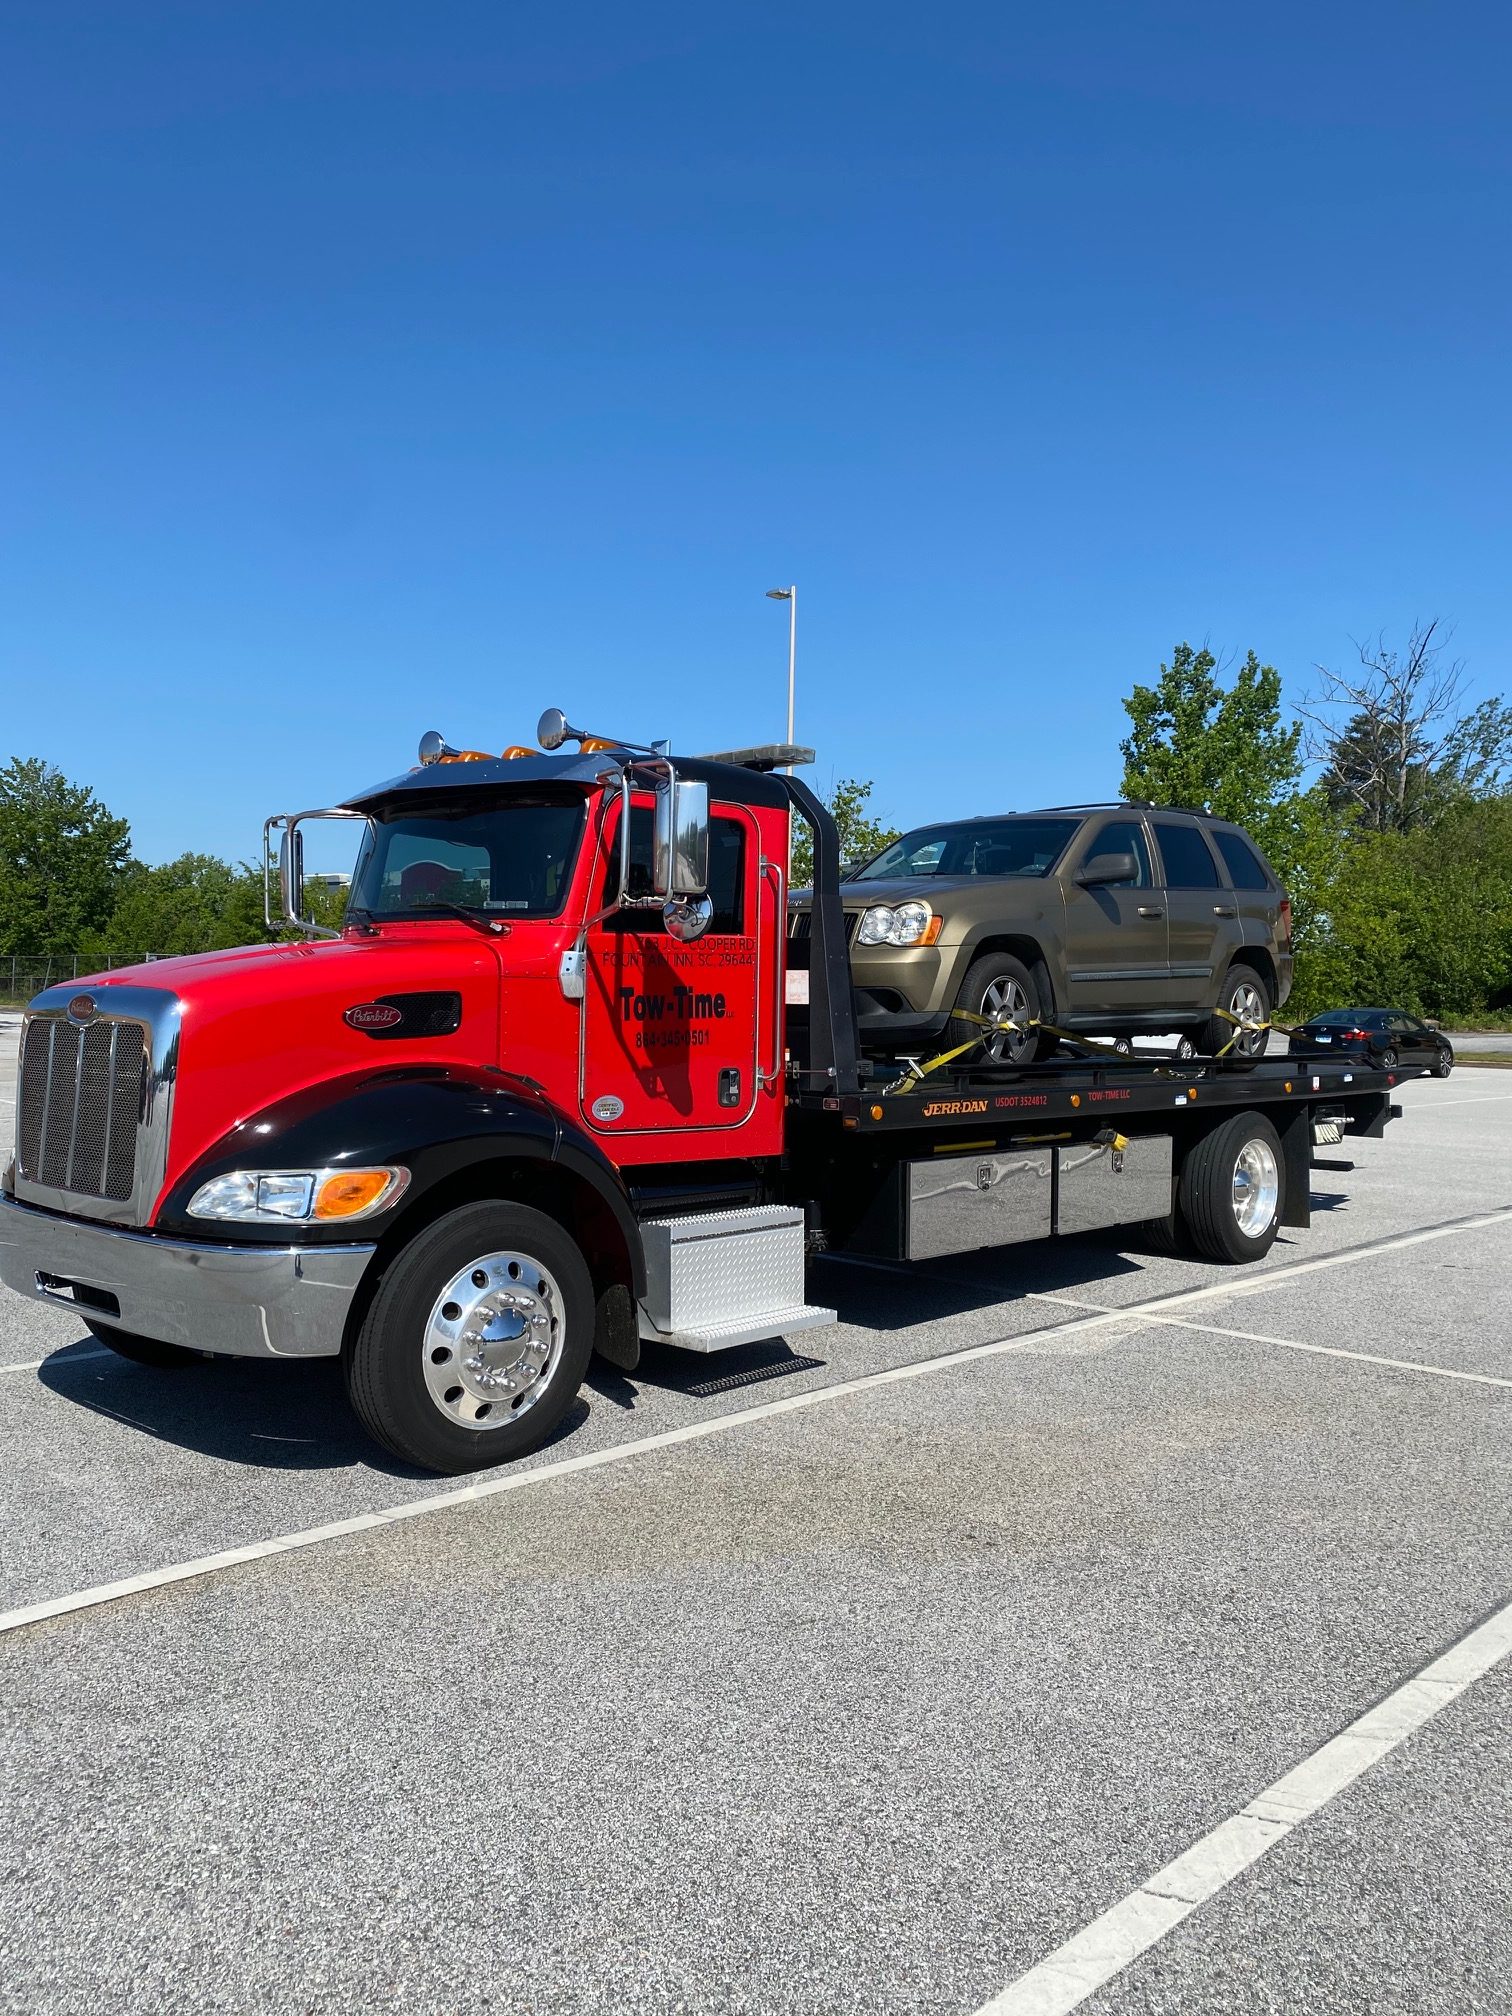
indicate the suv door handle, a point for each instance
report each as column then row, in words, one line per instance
column 1151, row 910
column 1223, row 910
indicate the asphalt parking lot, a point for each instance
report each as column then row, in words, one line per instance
column 891, row 1673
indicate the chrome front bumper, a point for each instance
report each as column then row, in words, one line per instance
column 241, row 1301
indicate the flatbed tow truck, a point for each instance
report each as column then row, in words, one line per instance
column 563, row 1084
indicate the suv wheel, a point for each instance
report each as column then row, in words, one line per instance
column 1246, row 996
column 1000, row 986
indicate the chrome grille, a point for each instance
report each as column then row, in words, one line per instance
column 81, row 1095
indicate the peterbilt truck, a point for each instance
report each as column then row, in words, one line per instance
column 563, row 1083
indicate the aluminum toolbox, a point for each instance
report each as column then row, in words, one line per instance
column 726, row 1277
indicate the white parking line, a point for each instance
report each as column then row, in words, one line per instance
column 695, row 1431
column 1480, row 1099
column 64, row 1356
column 1331, row 1351
column 1065, row 1978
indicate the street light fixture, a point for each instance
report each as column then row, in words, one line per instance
column 790, row 596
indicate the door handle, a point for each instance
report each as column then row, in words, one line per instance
column 1223, row 910
column 1150, row 910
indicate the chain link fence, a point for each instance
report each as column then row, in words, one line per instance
column 23, row 974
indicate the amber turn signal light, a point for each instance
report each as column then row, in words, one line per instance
column 348, row 1193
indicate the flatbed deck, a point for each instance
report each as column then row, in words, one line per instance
column 1074, row 1091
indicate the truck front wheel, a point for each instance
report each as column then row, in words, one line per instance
column 477, row 1340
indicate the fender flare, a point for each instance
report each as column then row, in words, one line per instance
column 437, row 1121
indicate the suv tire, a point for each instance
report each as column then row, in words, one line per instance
column 998, row 984
column 1243, row 993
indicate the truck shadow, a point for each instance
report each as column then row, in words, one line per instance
column 266, row 1415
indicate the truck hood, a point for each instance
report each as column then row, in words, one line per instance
column 264, row 1021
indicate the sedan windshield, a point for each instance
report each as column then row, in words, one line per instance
column 511, row 858
column 985, row 847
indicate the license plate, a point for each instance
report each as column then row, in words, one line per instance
column 1323, row 1039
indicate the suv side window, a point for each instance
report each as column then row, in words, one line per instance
column 1124, row 836
column 1188, row 863
column 1241, row 860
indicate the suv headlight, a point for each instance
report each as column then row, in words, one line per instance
column 909, row 924
column 320, row 1196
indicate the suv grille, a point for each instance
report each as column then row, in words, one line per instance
column 80, row 1096
column 801, row 924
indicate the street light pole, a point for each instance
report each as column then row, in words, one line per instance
column 790, row 596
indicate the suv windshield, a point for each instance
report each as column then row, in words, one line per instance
column 985, row 847
column 511, row 858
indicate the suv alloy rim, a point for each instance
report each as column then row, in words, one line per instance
column 1248, row 1004
column 493, row 1340
column 1257, row 1188
column 1005, row 1001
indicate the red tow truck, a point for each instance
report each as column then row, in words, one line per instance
column 563, row 1083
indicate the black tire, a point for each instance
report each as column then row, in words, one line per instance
column 387, row 1374
column 1186, row 1049
column 1389, row 1059
column 1242, row 992
column 1443, row 1064
column 143, row 1350
column 1209, row 1195
column 1124, row 1045
column 987, row 979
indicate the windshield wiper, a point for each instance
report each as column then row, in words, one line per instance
column 481, row 921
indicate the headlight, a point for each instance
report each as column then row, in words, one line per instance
column 273, row 1196
column 909, row 924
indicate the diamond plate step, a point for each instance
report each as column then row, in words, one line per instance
column 742, row 1330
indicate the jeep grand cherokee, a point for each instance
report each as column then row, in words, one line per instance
column 1104, row 919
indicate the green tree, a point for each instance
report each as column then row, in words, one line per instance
column 1197, row 743
column 187, row 905
column 1194, row 742
column 861, row 836
column 62, row 857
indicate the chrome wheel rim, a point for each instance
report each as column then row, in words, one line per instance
column 1006, row 1001
column 1248, row 1004
column 1185, row 1048
column 1257, row 1188
column 493, row 1340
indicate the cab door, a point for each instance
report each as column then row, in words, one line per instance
column 669, row 1030
column 1115, row 931
column 1205, row 930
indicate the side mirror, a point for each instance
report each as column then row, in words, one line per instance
column 680, row 838
column 291, row 875
column 552, row 730
column 1105, row 868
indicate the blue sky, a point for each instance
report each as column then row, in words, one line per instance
column 372, row 368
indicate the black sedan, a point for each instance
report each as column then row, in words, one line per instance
column 1384, row 1037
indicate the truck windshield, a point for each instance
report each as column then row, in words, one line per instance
column 985, row 847
column 509, row 858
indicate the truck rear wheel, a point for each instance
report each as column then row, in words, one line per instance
column 1230, row 1191
column 477, row 1340
column 142, row 1350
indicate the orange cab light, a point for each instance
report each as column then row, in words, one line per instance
column 466, row 756
column 350, row 1191
column 518, row 749
column 594, row 745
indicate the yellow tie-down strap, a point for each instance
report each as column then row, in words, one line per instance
column 1243, row 1028
column 914, row 1072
